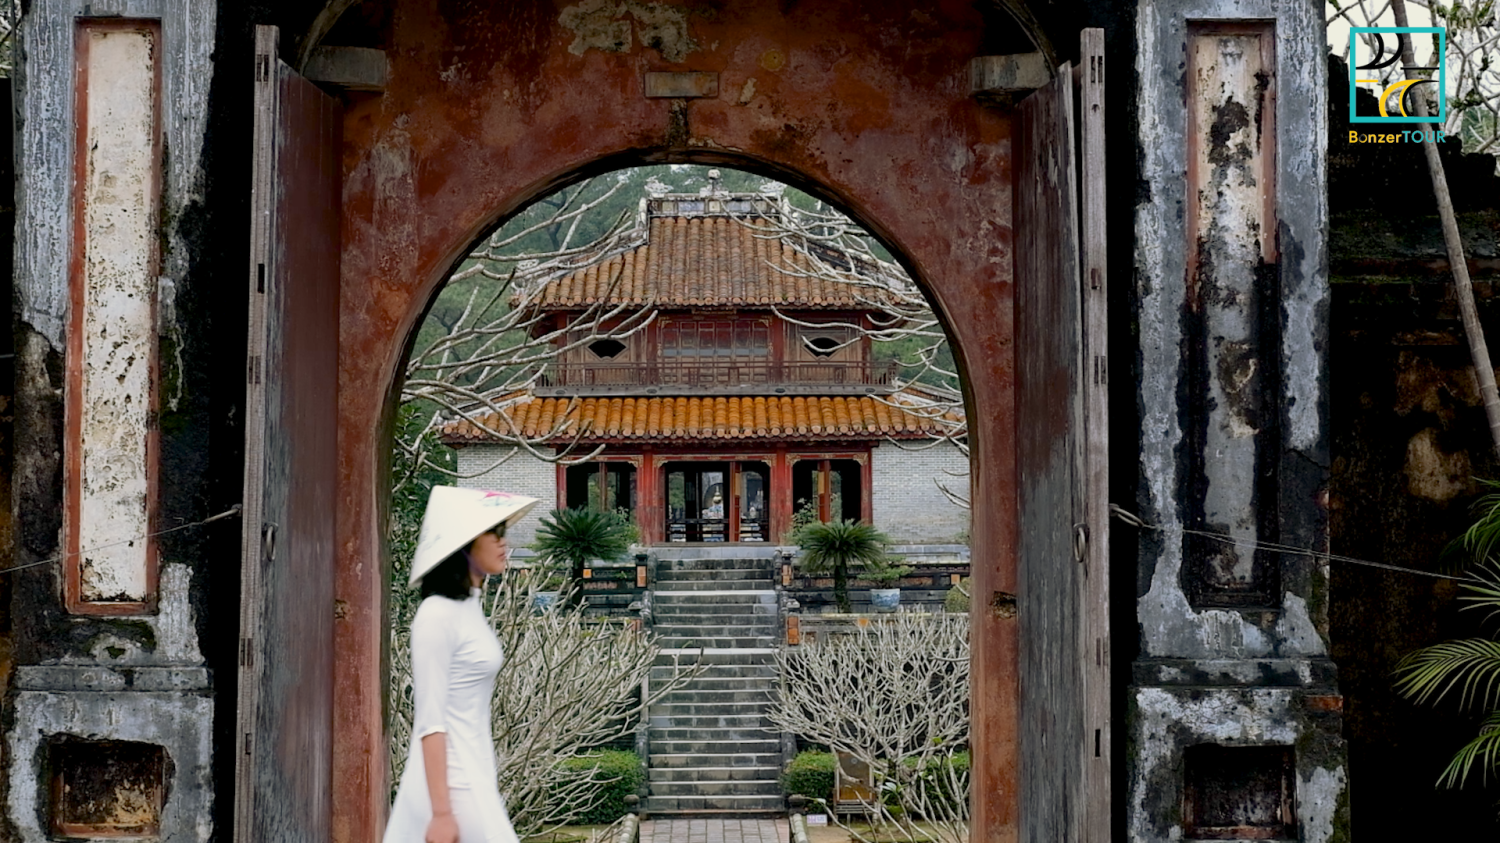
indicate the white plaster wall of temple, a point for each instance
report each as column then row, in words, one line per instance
column 522, row 473
column 905, row 498
column 118, row 334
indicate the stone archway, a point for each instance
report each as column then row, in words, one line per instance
column 489, row 107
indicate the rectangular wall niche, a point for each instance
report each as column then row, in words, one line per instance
column 106, row 788
column 1239, row 793
column 1231, row 343
column 111, row 383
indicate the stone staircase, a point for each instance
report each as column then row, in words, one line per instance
column 708, row 749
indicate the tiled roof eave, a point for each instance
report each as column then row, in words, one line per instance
column 463, row 441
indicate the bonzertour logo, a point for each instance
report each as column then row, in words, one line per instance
column 1373, row 52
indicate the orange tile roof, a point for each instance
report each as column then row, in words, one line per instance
column 703, row 418
column 708, row 261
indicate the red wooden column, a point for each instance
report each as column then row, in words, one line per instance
column 867, row 494
column 732, row 502
column 779, row 495
column 824, row 490
column 649, row 514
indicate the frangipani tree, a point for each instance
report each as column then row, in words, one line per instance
column 894, row 696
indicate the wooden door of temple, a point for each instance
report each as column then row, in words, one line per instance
column 1062, row 456
column 284, row 740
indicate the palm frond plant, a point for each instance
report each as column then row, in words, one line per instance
column 1483, row 536
column 835, row 546
column 1471, row 668
column 571, row 537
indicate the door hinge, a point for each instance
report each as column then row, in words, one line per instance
column 254, row 373
column 247, row 653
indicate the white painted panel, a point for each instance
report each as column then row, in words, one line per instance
column 119, row 290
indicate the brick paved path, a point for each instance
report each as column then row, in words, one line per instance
column 715, row 831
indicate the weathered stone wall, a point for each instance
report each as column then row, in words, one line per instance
column 1231, row 294
column 143, row 676
column 523, row 474
column 1410, row 440
column 905, row 499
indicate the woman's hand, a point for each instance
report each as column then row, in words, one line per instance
column 442, row 829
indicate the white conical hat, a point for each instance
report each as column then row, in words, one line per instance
column 455, row 517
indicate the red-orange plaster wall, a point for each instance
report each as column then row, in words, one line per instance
column 487, row 108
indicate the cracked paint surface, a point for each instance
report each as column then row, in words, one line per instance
column 118, row 315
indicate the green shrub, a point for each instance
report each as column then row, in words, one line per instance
column 810, row 774
column 622, row 773
column 957, row 598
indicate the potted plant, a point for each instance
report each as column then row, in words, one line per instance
column 834, row 546
column 567, row 539
column 549, row 590
column 884, row 574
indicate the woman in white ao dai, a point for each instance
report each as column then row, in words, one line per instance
column 448, row 790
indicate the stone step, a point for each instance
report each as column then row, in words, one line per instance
column 680, row 586
column 698, row 761
column 713, row 585
column 716, row 614
column 679, row 630
column 711, row 664
column 713, row 657
column 701, row 708
column 717, row 642
column 698, row 599
column 762, row 787
column 716, row 748
column 712, row 774
column 712, row 574
column 717, row 682
column 753, row 731
column 756, row 695
column 662, row 723
column 729, row 805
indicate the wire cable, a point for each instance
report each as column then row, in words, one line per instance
column 1122, row 514
column 228, row 513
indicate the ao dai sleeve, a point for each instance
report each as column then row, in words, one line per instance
column 433, row 641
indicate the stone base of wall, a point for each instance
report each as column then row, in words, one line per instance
column 1227, row 761
column 165, row 713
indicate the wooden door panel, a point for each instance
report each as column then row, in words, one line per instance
column 284, row 754
column 1062, row 456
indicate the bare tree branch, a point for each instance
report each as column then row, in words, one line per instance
column 894, row 696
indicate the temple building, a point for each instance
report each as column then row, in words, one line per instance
column 753, row 393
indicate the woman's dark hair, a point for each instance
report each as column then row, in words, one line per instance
column 449, row 578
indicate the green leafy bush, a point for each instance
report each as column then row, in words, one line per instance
column 621, row 773
column 810, row 774
column 957, row 598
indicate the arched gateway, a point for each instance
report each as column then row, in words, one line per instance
column 966, row 135
column 487, row 107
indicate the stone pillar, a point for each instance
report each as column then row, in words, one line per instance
column 1233, row 692
column 109, row 718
